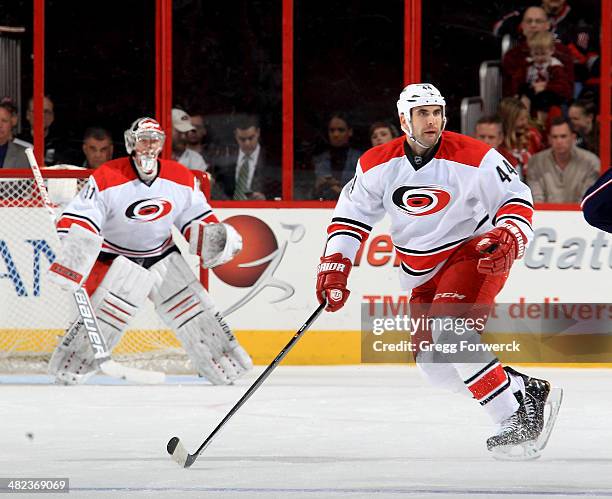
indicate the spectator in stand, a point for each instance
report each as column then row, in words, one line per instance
column 335, row 166
column 542, row 79
column 578, row 34
column 246, row 173
column 570, row 27
column 12, row 155
column 181, row 126
column 534, row 21
column 490, row 130
column 382, row 132
column 563, row 172
column 10, row 105
column 521, row 139
column 55, row 146
column 196, row 138
column 582, row 115
column 97, row 147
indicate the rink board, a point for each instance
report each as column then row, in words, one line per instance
column 568, row 261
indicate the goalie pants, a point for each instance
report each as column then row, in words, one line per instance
column 105, row 260
column 458, row 290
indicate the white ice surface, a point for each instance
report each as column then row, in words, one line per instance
column 324, row 432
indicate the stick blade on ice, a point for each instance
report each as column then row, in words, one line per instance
column 178, row 452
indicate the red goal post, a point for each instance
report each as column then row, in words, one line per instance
column 33, row 312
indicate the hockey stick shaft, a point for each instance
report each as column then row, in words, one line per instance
column 176, row 449
column 85, row 310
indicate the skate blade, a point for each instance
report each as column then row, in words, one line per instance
column 526, row 451
column 532, row 449
column 553, row 403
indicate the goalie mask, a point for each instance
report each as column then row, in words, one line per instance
column 144, row 140
column 416, row 95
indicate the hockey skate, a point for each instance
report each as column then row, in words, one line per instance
column 526, row 433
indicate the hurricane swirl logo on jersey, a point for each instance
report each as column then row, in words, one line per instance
column 148, row 210
column 421, row 200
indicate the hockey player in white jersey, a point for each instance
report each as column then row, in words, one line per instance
column 460, row 216
column 117, row 243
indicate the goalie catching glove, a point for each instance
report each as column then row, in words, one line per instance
column 332, row 276
column 214, row 243
column 503, row 245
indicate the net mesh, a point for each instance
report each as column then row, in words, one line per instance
column 34, row 313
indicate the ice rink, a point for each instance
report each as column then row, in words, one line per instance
column 324, row 432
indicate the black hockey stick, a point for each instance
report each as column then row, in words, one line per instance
column 177, row 450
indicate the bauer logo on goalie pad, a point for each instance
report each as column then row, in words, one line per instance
column 91, row 326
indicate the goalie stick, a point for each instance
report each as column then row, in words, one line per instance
column 176, row 448
column 85, row 310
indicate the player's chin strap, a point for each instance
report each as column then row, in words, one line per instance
column 408, row 131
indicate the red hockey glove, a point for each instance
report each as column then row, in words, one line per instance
column 503, row 244
column 332, row 274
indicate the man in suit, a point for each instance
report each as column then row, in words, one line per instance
column 246, row 173
column 12, row 155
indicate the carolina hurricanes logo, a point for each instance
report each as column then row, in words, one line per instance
column 148, row 210
column 422, row 200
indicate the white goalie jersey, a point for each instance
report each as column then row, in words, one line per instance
column 134, row 218
column 466, row 189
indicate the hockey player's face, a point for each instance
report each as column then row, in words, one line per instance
column 427, row 124
column 149, row 147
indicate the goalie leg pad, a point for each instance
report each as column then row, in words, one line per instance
column 121, row 294
column 186, row 307
column 117, row 300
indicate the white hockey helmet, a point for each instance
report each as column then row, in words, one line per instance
column 416, row 95
column 150, row 130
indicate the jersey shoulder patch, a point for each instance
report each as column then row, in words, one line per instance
column 112, row 173
column 462, row 149
column 382, row 154
column 175, row 172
